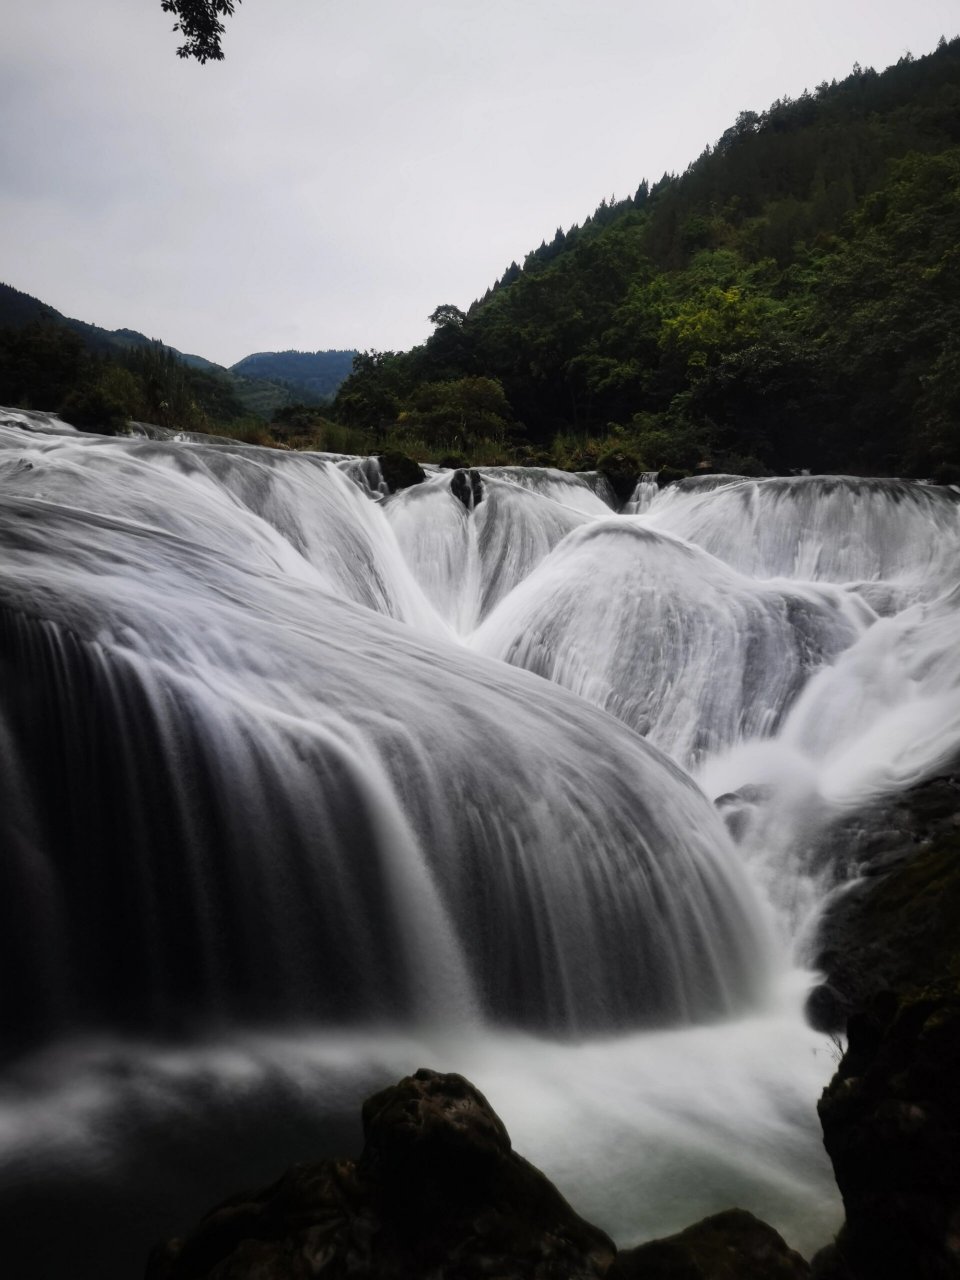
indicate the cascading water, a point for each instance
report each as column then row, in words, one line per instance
column 889, row 534
column 646, row 491
column 635, row 620
column 468, row 555
column 284, row 820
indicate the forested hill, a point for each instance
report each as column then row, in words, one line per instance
column 102, row 377
column 792, row 300
column 19, row 310
column 318, row 373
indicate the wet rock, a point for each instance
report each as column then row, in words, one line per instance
column 622, row 471
column 467, row 486
column 437, row 1193
column 728, row 1246
column 669, row 475
column 897, row 932
column 827, row 1008
column 453, row 461
column 400, row 471
column 891, row 1125
column 896, row 927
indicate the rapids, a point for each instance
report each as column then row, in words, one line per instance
column 306, row 785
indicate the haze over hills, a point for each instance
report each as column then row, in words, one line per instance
column 318, row 373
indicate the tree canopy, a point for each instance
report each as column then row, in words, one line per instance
column 198, row 21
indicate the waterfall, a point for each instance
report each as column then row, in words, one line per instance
column 634, row 620
column 891, row 534
column 307, row 784
column 468, row 556
column 643, row 495
column 279, row 799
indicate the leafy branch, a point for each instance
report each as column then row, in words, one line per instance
column 199, row 22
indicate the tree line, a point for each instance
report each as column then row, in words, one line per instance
column 792, row 300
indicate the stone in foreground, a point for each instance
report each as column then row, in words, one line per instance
column 727, row 1246
column 891, row 1124
column 438, row 1192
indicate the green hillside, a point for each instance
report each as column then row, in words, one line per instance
column 790, row 301
column 17, row 310
column 314, row 375
column 52, row 361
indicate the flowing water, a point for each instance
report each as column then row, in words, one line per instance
column 306, row 786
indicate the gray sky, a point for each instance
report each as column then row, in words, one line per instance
column 353, row 163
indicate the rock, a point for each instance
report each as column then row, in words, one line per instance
column 896, row 928
column 622, row 471
column 315, row 1220
column 897, row 932
column 891, row 1125
column 453, row 461
column 728, row 1246
column 669, row 475
column 437, row 1194
column 467, row 486
column 827, row 1009
column 400, row 471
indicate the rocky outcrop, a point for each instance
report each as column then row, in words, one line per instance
column 400, row 471
column 896, row 927
column 728, row 1246
column 467, row 487
column 891, row 1124
column 437, row 1193
column 622, row 471
column 890, row 951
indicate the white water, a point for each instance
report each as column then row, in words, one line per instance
column 273, row 786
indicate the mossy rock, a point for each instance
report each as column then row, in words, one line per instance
column 399, row 470
column 453, row 461
column 901, row 932
column 437, row 1194
column 891, row 1126
column 467, row 487
column 669, row 475
column 622, row 470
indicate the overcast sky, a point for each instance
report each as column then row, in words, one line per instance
column 354, row 163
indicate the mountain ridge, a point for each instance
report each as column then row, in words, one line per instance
column 261, row 393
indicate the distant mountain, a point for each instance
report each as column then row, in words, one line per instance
column 317, row 373
column 20, row 309
column 262, row 383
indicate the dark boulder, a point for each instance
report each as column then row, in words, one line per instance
column 891, row 1125
column 898, row 932
column 728, row 1246
column 622, row 471
column 437, row 1193
column 670, row 475
column 467, row 486
column 400, row 471
column 896, row 926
